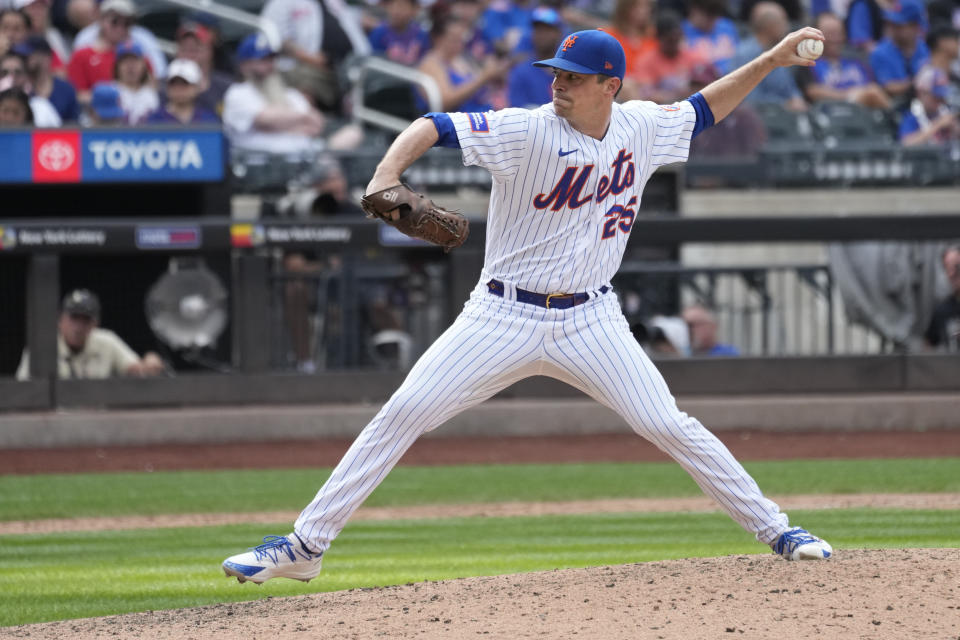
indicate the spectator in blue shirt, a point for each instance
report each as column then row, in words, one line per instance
column 930, row 120
column 478, row 47
column 463, row 85
column 703, row 333
column 58, row 91
column 897, row 58
column 864, row 24
column 838, row 75
column 507, row 23
column 400, row 38
column 197, row 42
column 769, row 25
column 184, row 79
column 706, row 30
column 529, row 86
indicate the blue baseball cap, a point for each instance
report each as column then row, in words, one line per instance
column 907, row 11
column 105, row 101
column 33, row 44
column 593, row 51
column 254, row 47
column 129, row 48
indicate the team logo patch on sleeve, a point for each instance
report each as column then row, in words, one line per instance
column 478, row 123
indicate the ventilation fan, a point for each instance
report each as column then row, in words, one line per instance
column 187, row 309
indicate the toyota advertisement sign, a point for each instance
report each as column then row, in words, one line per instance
column 111, row 155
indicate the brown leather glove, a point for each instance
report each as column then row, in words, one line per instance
column 416, row 216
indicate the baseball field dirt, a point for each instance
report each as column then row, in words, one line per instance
column 862, row 594
column 875, row 594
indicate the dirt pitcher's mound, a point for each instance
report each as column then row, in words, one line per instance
column 896, row 594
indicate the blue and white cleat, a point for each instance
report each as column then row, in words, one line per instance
column 277, row 557
column 800, row 544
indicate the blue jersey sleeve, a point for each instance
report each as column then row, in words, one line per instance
column 704, row 113
column 445, row 129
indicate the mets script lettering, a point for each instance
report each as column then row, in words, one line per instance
column 568, row 192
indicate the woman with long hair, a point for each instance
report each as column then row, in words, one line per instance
column 463, row 85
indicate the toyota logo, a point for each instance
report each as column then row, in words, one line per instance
column 56, row 155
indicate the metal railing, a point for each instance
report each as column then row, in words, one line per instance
column 783, row 310
column 42, row 242
column 356, row 314
column 382, row 315
column 232, row 14
column 402, row 77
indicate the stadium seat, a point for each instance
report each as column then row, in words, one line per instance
column 392, row 96
column 845, row 124
column 784, row 127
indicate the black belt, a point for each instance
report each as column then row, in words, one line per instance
column 545, row 300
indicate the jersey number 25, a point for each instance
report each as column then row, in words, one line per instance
column 619, row 217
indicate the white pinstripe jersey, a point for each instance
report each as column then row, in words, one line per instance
column 563, row 203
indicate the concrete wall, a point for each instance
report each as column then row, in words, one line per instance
column 531, row 416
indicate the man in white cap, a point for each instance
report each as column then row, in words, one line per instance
column 184, row 79
column 317, row 36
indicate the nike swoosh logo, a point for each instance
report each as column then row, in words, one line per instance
column 562, row 153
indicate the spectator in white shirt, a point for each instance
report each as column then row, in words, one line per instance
column 138, row 97
column 262, row 113
column 317, row 36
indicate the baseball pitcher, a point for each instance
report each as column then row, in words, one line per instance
column 567, row 182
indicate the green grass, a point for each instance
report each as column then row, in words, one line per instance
column 64, row 496
column 59, row 576
column 69, row 575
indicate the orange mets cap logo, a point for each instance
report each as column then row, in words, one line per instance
column 588, row 52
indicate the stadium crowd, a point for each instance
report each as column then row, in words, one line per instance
column 69, row 62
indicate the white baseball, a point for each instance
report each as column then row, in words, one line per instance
column 810, row 48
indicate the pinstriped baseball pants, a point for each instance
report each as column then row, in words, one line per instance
column 495, row 342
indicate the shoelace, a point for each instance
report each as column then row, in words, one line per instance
column 271, row 548
column 793, row 539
